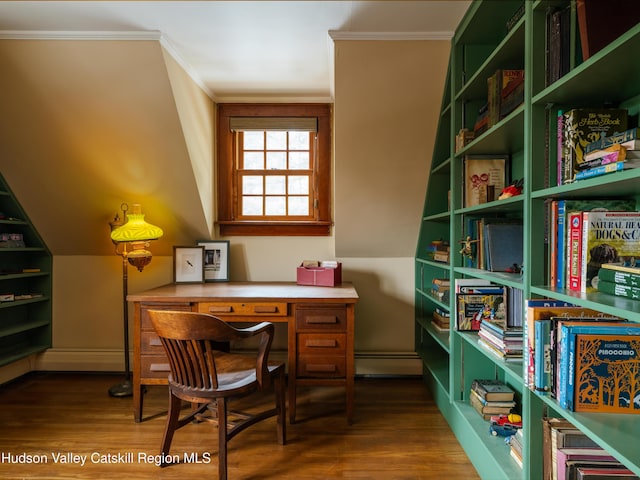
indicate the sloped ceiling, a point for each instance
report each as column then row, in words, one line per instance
column 87, row 125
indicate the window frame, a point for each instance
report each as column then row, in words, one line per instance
column 228, row 200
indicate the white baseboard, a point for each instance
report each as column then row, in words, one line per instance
column 84, row 360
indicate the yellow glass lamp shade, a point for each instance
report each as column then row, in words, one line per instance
column 136, row 229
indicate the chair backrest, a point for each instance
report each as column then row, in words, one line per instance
column 193, row 341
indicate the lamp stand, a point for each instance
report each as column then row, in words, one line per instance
column 124, row 389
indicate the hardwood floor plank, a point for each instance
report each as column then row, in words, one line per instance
column 398, row 433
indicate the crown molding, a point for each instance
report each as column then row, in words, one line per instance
column 79, row 35
column 347, row 35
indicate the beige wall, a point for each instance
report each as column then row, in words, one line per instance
column 377, row 214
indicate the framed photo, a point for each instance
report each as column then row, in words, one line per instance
column 188, row 264
column 484, row 178
column 216, row 260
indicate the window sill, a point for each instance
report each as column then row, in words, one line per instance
column 258, row 228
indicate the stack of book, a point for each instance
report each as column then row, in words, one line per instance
column 610, row 154
column 515, row 446
column 439, row 251
column 491, row 397
column 580, row 126
column 440, row 319
column 568, row 453
column 619, row 280
column 504, row 342
column 440, row 288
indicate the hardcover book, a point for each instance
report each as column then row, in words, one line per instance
column 621, row 277
column 474, row 308
column 629, row 139
column 607, row 237
column 582, row 126
column 607, row 373
column 492, row 390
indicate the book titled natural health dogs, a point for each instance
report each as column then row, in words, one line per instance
column 596, row 238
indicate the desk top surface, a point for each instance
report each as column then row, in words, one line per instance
column 257, row 291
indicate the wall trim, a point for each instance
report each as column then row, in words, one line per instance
column 373, row 36
column 80, row 35
column 85, row 360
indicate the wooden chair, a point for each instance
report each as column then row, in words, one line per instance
column 208, row 377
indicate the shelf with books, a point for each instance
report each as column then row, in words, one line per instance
column 512, row 370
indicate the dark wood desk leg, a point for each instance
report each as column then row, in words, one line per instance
column 351, row 369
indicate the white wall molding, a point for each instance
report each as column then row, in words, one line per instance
column 387, row 36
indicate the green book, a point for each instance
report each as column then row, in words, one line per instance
column 621, row 277
column 619, row 289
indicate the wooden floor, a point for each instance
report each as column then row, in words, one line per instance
column 397, row 433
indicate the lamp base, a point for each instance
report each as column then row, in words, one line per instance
column 124, row 389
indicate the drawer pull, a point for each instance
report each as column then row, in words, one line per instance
column 265, row 309
column 221, row 309
column 328, row 343
column 155, row 342
column 159, row 367
column 321, row 319
column 324, row 368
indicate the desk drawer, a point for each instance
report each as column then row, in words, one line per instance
column 321, row 366
column 321, row 317
column 145, row 320
column 150, row 343
column 322, row 343
column 154, row 366
column 254, row 309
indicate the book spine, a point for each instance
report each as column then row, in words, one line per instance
column 601, row 170
column 619, row 290
column 615, row 276
column 542, row 354
column 561, row 239
column 575, row 251
column 553, row 242
column 559, row 156
column 602, row 157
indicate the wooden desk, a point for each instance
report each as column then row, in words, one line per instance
column 320, row 329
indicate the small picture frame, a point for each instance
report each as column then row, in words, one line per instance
column 480, row 172
column 216, row 260
column 188, row 264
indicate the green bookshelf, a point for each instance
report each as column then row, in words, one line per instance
column 482, row 44
column 25, row 273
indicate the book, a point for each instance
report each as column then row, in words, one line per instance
column 567, row 338
column 496, row 84
column 489, row 408
column 549, row 445
column 504, row 246
column 607, row 373
column 619, row 267
column 621, row 277
column 623, row 153
column 619, row 290
column 492, row 390
column 565, row 455
column 599, row 23
column 603, row 170
column 582, row 126
column 629, row 139
column 608, row 473
column 607, row 237
column 474, row 308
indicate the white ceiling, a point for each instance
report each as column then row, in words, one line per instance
column 240, row 49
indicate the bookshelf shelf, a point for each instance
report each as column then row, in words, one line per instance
column 25, row 325
column 481, row 45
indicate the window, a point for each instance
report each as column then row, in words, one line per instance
column 274, row 169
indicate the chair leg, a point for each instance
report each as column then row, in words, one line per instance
column 222, row 438
column 281, row 406
column 171, row 426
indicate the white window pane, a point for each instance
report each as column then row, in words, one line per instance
column 299, row 206
column 299, row 160
column 276, row 160
column 253, row 161
column 252, row 185
column 298, row 140
column 276, row 140
column 253, row 141
column 275, row 185
column 275, row 206
column 251, row 205
column 298, row 185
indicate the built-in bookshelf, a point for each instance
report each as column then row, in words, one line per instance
column 25, row 283
column 494, row 35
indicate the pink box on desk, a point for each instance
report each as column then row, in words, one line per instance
column 319, row 276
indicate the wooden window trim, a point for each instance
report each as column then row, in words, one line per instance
column 228, row 223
